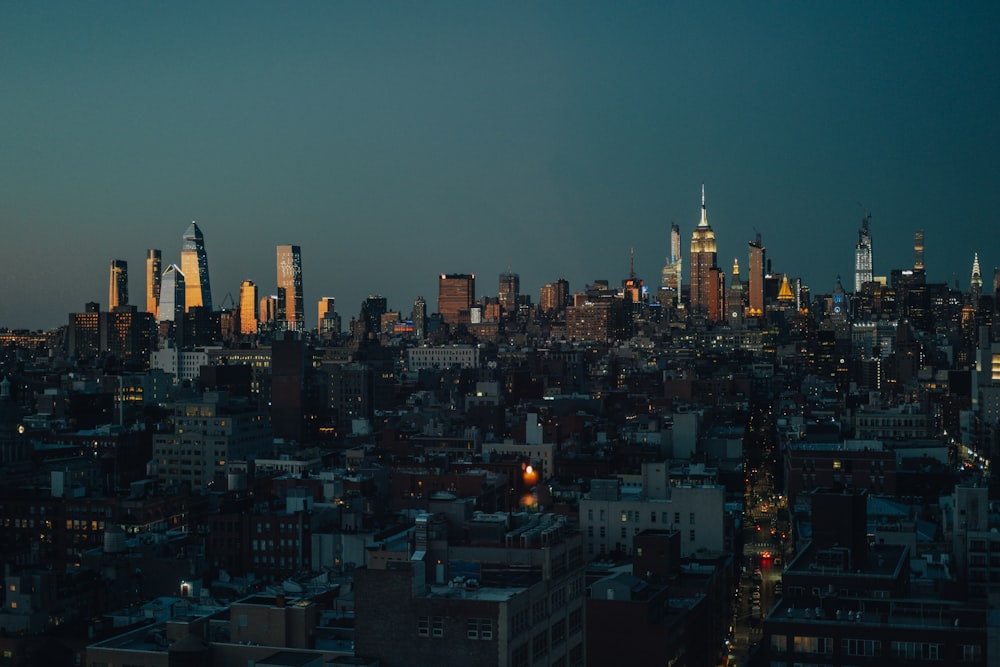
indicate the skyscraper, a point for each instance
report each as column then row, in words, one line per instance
column 194, row 266
column 456, row 292
column 863, row 256
column 173, row 292
column 326, row 316
column 419, row 317
column 290, row 280
column 372, row 310
column 670, row 280
column 510, row 287
column 755, row 279
column 705, row 287
column 118, row 284
column 735, row 298
column 554, row 297
column 248, row 308
column 153, row 275
column 918, row 250
column 976, row 282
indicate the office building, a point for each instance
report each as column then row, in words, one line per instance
column 456, row 292
column 918, row 250
column 173, row 292
column 328, row 321
column 248, row 308
column 207, row 433
column 863, row 256
column 268, row 310
column 976, row 281
column 194, row 266
column 419, row 317
column 292, row 316
column 554, row 297
column 755, row 279
column 705, row 287
column 510, row 287
column 372, row 310
column 118, row 284
column 153, row 274
column 670, row 282
column 83, row 337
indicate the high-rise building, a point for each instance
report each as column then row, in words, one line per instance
column 670, row 281
column 372, row 310
column 554, row 297
column 456, row 292
column 863, row 256
column 419, row 317
column 153, row 274
column 194, row 266
column 268, row 310
column 327, row 320
column 976, row 282
column 510, row 287
column 248, row 308
column 705, row 287
column 918, row 250
column 118, row 284
column 755, row 279
column 735, row 297
column 290, row 280
column 173, row 293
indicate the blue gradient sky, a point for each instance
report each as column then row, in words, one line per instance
column 395, row 141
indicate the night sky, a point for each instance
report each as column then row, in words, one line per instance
column 397, row 141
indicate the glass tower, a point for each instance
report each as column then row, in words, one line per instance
column 863, row 256
column 194, row 266
column 248, row 308
column 153, row 275
column 290, row 283
column 118, row 284
column 172, row 295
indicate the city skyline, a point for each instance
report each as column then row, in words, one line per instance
column 395, row 143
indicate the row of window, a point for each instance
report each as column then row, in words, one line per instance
column 872, row 648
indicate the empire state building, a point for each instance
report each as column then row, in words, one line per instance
column 706, row 278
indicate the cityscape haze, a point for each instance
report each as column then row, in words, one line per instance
column 394, row 142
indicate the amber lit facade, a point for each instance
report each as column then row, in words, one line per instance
column 118, row 284
column 194, row 266
column 706, row 279
column 154, row 263
column 248, row 308
column 291, row 310
column 456, row 292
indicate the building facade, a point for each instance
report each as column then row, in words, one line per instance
column 153, row 275
column 118, row 284
column 456, row 292
column 291, row 309
column 705, row 287
column 194, row 266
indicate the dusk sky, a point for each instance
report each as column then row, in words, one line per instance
column 397, row 141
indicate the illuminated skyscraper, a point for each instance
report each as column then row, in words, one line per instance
column 118, row 284
column 290, row 281
column 918, row 250
column 173, row 292
column 248, row 308
column 510, row 287
column 735, row 297
column 705, row 275
column 755, row 279
column 153, row 275
column 268, row 310
column 670, row 280
column 976, row 282
column 194, row 266
column 863, row 256
column 456, row 292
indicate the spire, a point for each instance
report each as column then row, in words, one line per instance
column 977, row 276
column 785, row 293
column 704, row 214
column 736, row 266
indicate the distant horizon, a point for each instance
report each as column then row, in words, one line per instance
column 137, row 297
column 395, row 141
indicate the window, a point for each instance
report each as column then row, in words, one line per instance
column 558, row 632
column 812, row 644
column 575, row 621
column 624, row 517
column 691, row 519
column 972, row 653
column 540, row 645
column 677, row 517
column 624, row 532
column 779, row 643
column 423, row 626
column 519, row 656
column 871, row 648
column 437, row 626
column 692, row 534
